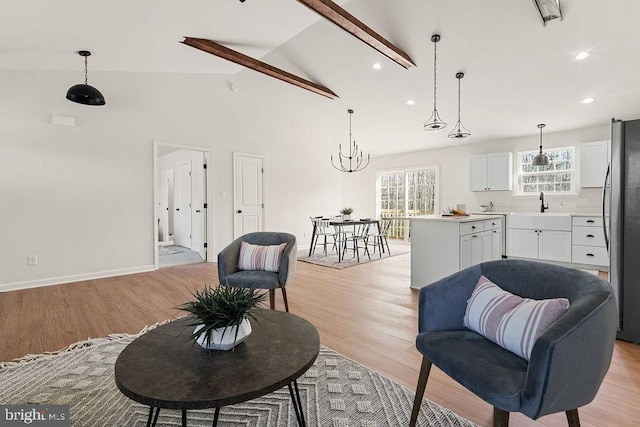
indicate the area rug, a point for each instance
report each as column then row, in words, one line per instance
column 170, row 250
column 335, row 392
column 331, row 260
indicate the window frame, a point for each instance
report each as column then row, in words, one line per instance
column 520, row 175
column 405, row 172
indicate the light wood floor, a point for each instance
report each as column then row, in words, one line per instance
column 367, row 313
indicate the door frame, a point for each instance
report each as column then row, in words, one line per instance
column 264, row 201
column 208, row 155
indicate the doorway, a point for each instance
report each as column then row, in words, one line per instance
column 181, row 214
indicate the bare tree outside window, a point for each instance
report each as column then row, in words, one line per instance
column 406, row 193
column 557, row 178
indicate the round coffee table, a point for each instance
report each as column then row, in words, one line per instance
column 165, row 369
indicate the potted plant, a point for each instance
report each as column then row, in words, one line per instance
column 221, row 315
column 346, row 213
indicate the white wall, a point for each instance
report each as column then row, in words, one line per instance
column 358, row 190
column 81, row 198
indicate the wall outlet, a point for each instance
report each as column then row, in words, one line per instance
column 510, row 201
column 32, row 260
column 585, row 200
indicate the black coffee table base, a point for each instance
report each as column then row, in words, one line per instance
column 294, row 391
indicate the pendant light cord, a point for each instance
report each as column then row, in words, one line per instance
column 459, row 100
column 85, row 70
column 435, row 61
column 350, row 138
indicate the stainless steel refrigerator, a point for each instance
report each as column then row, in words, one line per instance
column 621, row 210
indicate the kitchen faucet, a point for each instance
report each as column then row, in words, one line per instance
column 542, row 206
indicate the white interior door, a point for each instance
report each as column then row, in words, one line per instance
column 198, row 228
column 183, row 205
column 248, row 201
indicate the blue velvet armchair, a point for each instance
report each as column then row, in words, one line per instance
column 568, row 361
column 230, row 275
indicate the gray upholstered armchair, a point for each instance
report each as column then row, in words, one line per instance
column 230, row 275
column 568, row 361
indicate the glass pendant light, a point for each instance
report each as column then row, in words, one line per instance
column 540, row 159
column 434, row 123
column 84, row 93
column 459, row 132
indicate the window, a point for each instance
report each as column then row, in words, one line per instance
column 557, row 178
column 406, row 193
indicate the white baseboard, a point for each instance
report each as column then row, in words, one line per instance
column 5, row 287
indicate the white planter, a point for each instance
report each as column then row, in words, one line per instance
column 224, row 338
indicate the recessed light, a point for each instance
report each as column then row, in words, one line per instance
column 588, row 100
column 411, row 102
column 582, row 55
column 377, row 66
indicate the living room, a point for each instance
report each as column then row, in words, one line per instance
column 81, row 198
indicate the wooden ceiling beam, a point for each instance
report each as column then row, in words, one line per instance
column 223, row 52
column 351, row 24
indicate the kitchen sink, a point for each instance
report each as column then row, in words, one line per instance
column 539, row 214
column 540, row 221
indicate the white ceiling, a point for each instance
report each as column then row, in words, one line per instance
column 518, row 73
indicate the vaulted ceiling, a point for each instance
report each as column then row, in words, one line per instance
column 517, row 72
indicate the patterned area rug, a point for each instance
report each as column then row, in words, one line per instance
column 331, row 260
column 336, row 392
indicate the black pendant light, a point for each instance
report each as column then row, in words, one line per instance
column 84, row 93
column 434, row 123
column 459, row 132
column 540, row 159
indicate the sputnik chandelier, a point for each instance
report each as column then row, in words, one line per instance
column 353, row 161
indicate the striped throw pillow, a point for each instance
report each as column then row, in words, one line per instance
column 256, row 257
column 508, row 320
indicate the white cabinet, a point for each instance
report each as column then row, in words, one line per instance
column 471, row 249
column 544, row 237
column 588, row 242
column 594, row 158
column 491, row 172
column 554, row 245
column 440, row 247
column 523, row 243
column 484, row 243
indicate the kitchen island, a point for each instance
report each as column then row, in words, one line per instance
column 442, row 245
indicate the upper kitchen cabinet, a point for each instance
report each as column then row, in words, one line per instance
column 594, row 158
column 491, row 172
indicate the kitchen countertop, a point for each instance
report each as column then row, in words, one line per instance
column 547, row 213
column 460, row 218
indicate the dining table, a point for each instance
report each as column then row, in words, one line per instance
column 340, row 225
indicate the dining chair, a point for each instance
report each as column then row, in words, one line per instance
column 325, row 229
column 352, row 241
column 378, row 236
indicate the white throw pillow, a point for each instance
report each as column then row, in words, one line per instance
column 508, row 320
column 256, row 257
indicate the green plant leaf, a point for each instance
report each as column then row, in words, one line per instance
column 220, row 307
